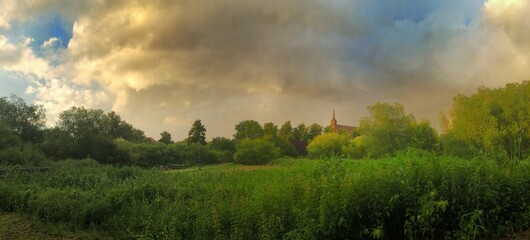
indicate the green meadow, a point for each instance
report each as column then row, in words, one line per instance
column 414, row 195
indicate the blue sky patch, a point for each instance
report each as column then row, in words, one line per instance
column 41, row 29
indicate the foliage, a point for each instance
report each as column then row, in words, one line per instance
column 423, row 136
column 389, row 129
column 224, row 147
column 491, row 121
column 355, row 148
column 299, row 139
column 269, row 129
column 8, row 138
column 15, row 152
column 313, row 131
column 415, row 195
column 165, row 137
column 197, row 133
column 255, row 151
column 115, row 128
column 23, row 155
column 286, row 147
column 82, row 133
column 286, row 132
column 58, row 144
column 328, row 145
column 81, row 123
column 159, row 154
column 26, row 121
column 248, row 129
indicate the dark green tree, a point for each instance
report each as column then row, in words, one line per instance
column 224, row 147
column 118, row 128
column 300, row 139
column 313, row 131
column 197, row 133
column 424, row 136
column 286, row 131
column 165, row 137
column 248, row 129
column 389, row 129
column 26, row 121
column 300, row 133
column 269, row 129
column 81, row 123
column 222, row 144
column 256, row 151
column 87, row 132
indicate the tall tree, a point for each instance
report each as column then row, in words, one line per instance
column 300, row 139
column 118, row 128
column 286, row 131
column 25, row 121
column 389, row 129
column 81, row 123
column 88, row 132
column 491, row 121
column 165, row 137
column 197, row 133
column 269, row 129
column 314, row 131
column 248, row 129
column 300, row 133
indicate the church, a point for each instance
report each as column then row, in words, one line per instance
column 340, row 128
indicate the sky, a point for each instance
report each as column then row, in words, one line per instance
column 162, row 64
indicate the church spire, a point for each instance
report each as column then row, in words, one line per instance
column 333, row 123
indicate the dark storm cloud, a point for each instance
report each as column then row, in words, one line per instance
column 229, row 60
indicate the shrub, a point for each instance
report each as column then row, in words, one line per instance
column 24, row 155
column 224, row 148
column 196, row 153
column 328, row 145
column 255, row 151
column 355, row 148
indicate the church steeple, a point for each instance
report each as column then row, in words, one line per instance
column 333, row 123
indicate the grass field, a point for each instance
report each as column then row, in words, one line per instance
column 412, row 196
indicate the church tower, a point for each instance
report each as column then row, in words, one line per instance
column 333, row 123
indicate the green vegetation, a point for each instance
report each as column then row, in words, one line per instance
column 389, row 129
column 255, row 151
column 495, row 122
column 392, row 178
column 197, row 133
column 328, row 145
column 414, row 195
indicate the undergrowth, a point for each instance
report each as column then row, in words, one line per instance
column 411, row 196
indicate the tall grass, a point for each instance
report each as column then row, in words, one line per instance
column 411, row 196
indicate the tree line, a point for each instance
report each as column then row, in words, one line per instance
column 493, row 122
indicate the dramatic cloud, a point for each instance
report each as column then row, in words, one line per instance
column 162, row 64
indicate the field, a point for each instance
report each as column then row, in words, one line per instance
column 414, row 195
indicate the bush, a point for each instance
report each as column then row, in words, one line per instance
column 157, row 154
column 328, row 145
column 415, row 195
column 7, row 139
column 23, row 156
column 355, row 148
column 256, row 151
column 224, row 148
column 196, row 153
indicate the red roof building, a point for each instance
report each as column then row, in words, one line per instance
column 340, row 128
